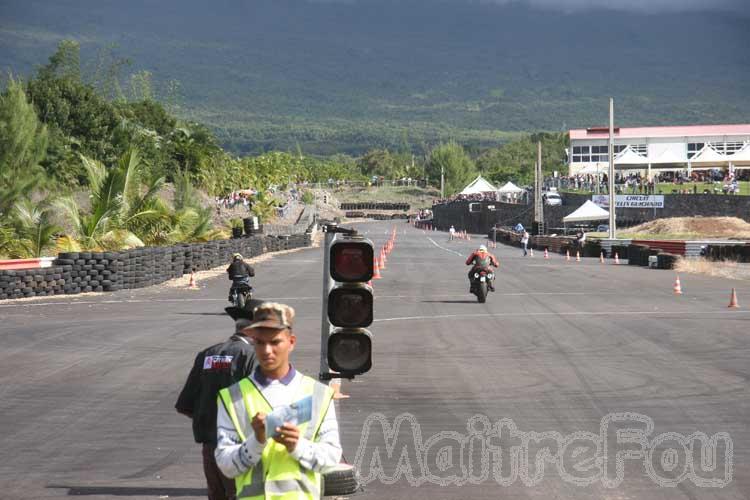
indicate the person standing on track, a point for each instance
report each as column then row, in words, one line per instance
column 286, row 459
column 215, row 368
column 525, row 242
column 451, row 233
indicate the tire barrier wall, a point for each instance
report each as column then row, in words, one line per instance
column 737, row 253
column 79, row 272
column 375, row 206
column 363, row 215
column 636, row 254
column 493, row 213
column 554, row 244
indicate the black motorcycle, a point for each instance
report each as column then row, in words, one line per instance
column 240, row 293
column 481, row 284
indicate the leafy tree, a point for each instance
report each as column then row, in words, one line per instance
column 141, row 86
column 107, row 74
column 65, row 63
column 23, row 143
column 515, row 161
column 458, row 167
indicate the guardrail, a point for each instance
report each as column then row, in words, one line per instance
column 26, row 263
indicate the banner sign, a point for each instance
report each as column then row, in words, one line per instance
column 630, row 200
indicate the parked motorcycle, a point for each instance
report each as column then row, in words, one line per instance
column 481, row 282
column 240, row 293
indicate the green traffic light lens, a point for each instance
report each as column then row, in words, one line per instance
column 350, row 353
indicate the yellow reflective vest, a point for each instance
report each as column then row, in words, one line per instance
column 277, row 476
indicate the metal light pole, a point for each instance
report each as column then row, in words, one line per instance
column 442, row 182
column 538, row 202
column 611, row 183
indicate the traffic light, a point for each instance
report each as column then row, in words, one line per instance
column 350, row 305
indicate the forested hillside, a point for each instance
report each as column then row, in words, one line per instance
column 332, row 77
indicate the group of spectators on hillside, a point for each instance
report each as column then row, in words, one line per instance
column 236, row 199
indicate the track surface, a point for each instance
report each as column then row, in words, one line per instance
column 87, row 385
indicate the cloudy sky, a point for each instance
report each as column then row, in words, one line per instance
column 642, row 6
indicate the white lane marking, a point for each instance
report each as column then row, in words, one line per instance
column 443, row 248
column 377, row 297
column 577, row 313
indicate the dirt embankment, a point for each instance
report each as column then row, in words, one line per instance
column 696, row 227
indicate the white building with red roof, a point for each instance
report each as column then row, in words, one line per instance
column 658, row 149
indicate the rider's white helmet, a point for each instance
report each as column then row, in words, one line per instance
column 482, row 248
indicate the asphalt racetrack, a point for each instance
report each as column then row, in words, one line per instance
column 574, row 381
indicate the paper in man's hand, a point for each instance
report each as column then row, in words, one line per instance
column 296, row 413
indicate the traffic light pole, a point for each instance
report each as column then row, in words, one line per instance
column 325, row 326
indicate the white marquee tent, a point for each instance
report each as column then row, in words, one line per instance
column 479, row 185
column 509, row 187
column 587, row 212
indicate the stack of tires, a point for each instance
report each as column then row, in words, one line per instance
column 91, row 271
column 635, row 254
column 620, row 250
column 666, row 260
column 15, row 284
column 737, row 253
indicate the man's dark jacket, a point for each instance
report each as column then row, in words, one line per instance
column 240, row 268
column 215, row 368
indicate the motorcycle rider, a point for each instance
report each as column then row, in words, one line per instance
column 240, row 271
column 480, row 260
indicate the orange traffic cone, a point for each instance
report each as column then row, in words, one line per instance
column 733, row 301
column 376, row 269
column 191, row 284
column 546, row 254
column 382, row 259
column 601, row 258
column 578, row 256
column 567, row 254
column 617, row 258
column 677, row 287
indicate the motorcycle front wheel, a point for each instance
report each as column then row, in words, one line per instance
column 482, row 293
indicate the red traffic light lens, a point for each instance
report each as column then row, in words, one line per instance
column 350, row 307
column 351, row 261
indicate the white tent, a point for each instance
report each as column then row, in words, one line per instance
column 509, row 187
column 630, row 157
column 587, row 212
column 479, row 185
column 669, row 155
column 743, row 155
column 708, row 155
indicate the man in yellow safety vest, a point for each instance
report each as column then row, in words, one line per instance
column 277, row 428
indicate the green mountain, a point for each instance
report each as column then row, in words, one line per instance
column 345, row 76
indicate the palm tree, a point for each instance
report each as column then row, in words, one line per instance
column 122, row 213
column 33, row 228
